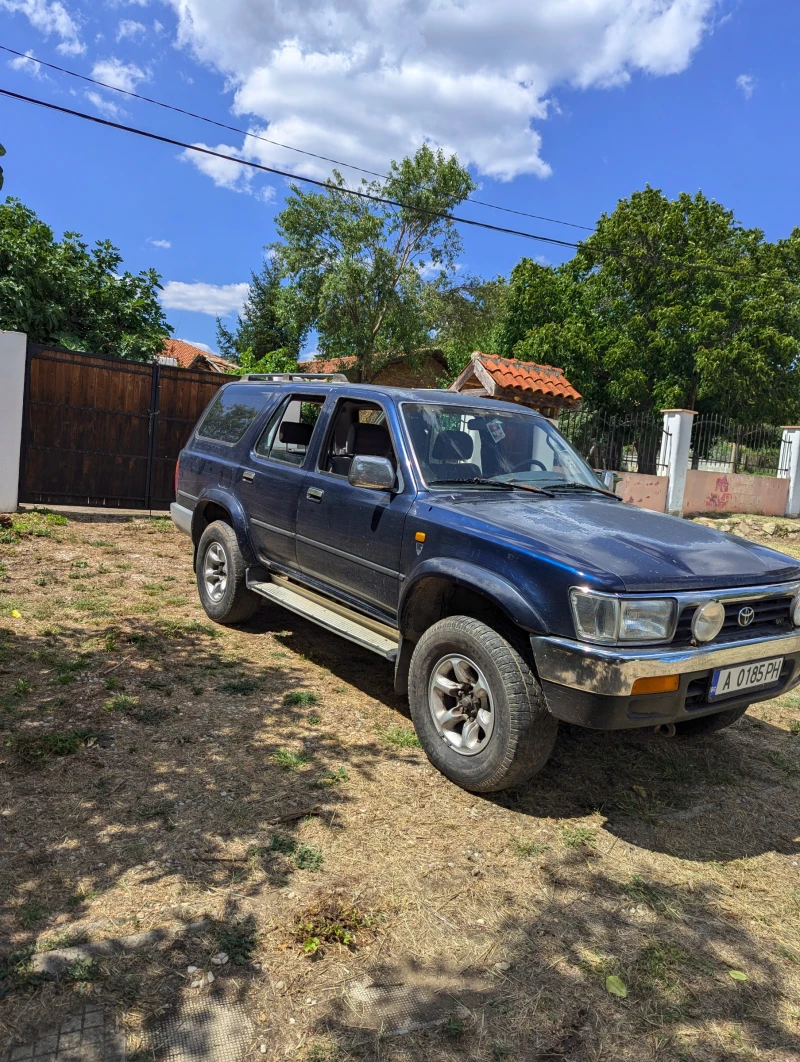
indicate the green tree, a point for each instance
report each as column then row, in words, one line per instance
column 2, row 177
column 265, row 329
column 670, row 303
column 66, row 293
column 353, row 266
column 464, row 316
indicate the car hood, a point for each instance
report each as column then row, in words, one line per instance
column 620, row 545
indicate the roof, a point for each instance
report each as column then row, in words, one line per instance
column 188, row 356
column 327, row 364
column 524, row 380
column 345, row 364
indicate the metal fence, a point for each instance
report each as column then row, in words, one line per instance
column 623, row 443
column 722, row 445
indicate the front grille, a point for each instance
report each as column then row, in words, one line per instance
column 772, row 616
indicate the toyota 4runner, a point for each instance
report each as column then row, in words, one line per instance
column 465, row 540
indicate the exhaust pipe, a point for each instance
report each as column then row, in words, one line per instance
column 666, row 730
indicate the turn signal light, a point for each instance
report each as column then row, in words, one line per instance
column 661, row 684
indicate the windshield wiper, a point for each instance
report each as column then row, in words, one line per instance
column 502, row 484
column 576, row 486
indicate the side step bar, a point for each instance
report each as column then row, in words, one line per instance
column 336, row 618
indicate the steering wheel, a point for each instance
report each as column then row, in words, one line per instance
column 528, row 464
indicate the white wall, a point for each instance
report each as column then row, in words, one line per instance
column 12, row 388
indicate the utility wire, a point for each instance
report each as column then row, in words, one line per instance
column 443, row 215
column 284, row 173
column 266, row 140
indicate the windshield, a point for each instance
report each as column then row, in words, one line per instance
column 454, row 445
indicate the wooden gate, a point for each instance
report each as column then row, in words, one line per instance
column 98, row 430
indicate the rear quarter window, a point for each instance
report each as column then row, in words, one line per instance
column 232, row 412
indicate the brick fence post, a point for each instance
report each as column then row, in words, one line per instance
column 790, row 468
column 673, row 461
column 13, row 347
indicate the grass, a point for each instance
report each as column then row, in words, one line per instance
column 526, row 849
column 30, row 913
column 578, row 837
column 401, row 737
column 304, row 856
column 301, row 698
column 794, row 726
column 330, row 921
column 33, row 750
column 238, row 940
column 639, row 890
column 333, row 778
column 39, row 523
column 123, row 702
column 242, row 686
column 291, row 761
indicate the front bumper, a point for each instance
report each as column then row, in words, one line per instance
column 591, row 685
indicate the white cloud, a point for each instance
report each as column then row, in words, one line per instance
column 129, row 27
column 158, row 28
column 117, row 74
column 26, row 64
column 224, row 174
column 746, row 83
column 163, row 244
column 266, row 193
column 368, row 80
column 217, row 300
column 50, row 16
column 106, row 107
column 197, row 343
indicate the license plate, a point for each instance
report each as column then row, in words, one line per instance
column 729, row 680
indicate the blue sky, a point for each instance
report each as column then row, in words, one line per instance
column 560, row 107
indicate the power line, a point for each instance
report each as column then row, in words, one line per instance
column 443, row 215
column 266, row 140
column 284, row 173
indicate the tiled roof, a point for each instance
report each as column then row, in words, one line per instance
column 511, row 374
column 321, row 365
column 185, row 354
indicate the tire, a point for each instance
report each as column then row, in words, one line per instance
column 512, row 734
column 709, row 724
column 220, row 563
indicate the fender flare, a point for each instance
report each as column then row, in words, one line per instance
column 493, row 587
column 238, row 519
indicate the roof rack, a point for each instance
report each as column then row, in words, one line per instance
column 280, row 377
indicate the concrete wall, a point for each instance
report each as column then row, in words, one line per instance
column 712, row 492
column 12, row 388
column 646, row 492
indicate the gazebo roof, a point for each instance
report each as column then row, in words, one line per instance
column 517, row 381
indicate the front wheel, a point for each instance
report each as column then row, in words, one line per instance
column 477, row 706
column 221, row 576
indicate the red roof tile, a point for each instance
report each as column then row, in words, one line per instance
column 186, row 355
column 545, row 380
column 331, row 365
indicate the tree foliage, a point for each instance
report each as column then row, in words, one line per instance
column 66, row 293
column 464, row 316
column 266, row 332
column 353, row 267
column 670, row 303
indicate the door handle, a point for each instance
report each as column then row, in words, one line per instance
column 314, row 494
column 249, row 476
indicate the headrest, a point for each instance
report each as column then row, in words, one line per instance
column 369, row 440
column 452, row 445
column 294, row 434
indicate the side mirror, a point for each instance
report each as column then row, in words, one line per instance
column 374, row 473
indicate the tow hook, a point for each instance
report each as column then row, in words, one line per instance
column 666, row 730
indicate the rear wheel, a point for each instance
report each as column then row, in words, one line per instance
column 221, row 576
column 477, row 707
column 709, row 724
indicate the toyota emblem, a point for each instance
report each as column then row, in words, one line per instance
column 746, row 616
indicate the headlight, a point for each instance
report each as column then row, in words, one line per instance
column 796, row 611
column 607, row 620
column 707, row 621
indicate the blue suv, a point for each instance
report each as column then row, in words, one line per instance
column 464, row 540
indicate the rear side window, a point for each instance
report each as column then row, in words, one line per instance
column 232, row 412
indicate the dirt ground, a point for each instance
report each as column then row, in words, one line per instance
column 157, row 771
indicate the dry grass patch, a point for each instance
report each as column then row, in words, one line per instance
column 264, row 783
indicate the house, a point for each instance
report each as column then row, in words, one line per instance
column 425, row 369
column 186, row 356
column 542, row 387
